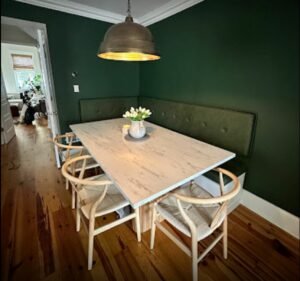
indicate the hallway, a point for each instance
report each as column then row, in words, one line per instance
column 39, row 241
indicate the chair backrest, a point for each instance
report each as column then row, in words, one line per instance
column 80, row 164
column 221, row 200
column 65, row 145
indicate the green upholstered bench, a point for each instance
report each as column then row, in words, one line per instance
column 105, row 108
column 225, row 128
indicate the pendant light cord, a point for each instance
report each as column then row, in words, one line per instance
column 129, row 9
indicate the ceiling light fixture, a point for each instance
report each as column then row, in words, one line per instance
column 128, row 41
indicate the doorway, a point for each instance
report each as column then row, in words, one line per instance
column 21, row 72
column 31, row 68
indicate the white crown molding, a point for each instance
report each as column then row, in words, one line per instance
column 77, row 9
column 167, row 10
column 22, row 23
column 164, row 11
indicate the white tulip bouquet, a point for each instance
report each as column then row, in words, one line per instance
column 137, row 114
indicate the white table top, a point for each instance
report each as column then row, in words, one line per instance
column 146, row 169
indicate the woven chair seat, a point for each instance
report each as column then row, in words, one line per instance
column 112, row 201
column 201, row 215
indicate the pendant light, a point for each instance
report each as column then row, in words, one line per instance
column 128, row 41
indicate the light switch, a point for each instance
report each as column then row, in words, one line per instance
column 76, row 88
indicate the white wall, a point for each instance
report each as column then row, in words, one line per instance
column 7, row 64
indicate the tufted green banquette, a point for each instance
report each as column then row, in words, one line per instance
column 105, row 108
column 225, row 128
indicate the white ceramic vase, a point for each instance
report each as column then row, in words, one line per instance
column 137, row 129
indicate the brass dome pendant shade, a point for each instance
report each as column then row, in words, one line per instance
column 128, row 41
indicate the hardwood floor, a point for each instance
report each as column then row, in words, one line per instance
column 39, row 241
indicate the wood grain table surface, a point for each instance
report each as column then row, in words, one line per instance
column 146, row 169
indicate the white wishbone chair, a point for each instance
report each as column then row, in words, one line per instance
column 96, row 196
column 68, row 150
column 197, row 214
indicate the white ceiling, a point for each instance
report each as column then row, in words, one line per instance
column 144, row 12
column 15, row 35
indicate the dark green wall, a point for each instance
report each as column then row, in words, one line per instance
column 242, row 55
column 73, row 43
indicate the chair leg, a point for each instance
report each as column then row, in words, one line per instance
column 91, row 243
column 67, row 184
column 138, row 224
column 73, row 198
column 153, row 227
column 225, row 238
column 195, row 256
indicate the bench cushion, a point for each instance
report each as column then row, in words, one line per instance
column 105, row 108
column 229, row 129
column 234, row 166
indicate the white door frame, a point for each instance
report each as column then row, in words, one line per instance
column 39, row 30
column 7, row 133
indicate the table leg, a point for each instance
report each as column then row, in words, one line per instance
column 145, row 217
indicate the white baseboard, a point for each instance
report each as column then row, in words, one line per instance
column 283, row 219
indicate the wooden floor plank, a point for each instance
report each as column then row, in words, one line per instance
column 8, row 217
column 70, row 252
column 39, row 240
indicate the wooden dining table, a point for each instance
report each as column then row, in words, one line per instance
column 145, row 169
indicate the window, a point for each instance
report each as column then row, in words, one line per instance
column 22, row 61
column 23, row 69
column 22, row 76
